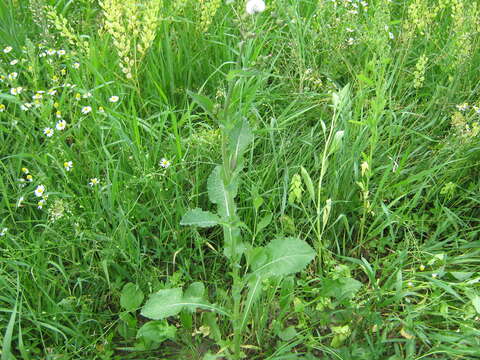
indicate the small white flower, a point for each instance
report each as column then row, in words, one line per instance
column 391, row 36
column 37, row 96
column 94, row 182
column 7, row 49
column 86, row 109
column 113, row 99
column 61, row 125
column 463, row 107
column 68, row 165
column 52, row 92
column 76, row 65
column 3, row 231
column 255, row 6
column 12, row 76
column 51, row 52
column 26, row 106
column 87, row 95
column 40, row 190
column 16, row 91
column 61, row 52
column 165, row 163
column 41, row 203
column 20, row 200
column 101, row 110
column 14, row 62
column 434, row 275
column 48, row 132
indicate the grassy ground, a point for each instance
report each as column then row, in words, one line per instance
column 395, row 165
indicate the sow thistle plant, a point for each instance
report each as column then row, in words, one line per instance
column 250, row 266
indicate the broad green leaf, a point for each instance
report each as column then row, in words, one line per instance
column 203, row 101
column 264, row 222
column 308, row 183
column 240, row 137
column 157, row 331
column 256, row 257
column 287, row 334
column 285, row 256
column 131, row 297
column 194, row 295
column 475, row 299
column 219, row 194
column 341, row 288
column 195, row 290
column 461, row 275
column 163, row 304
column 200, row 218
column 254, row 291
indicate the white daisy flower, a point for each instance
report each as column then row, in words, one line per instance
column 165, row 163
column 255, row 6
column 14, row 62
column 86, row 109
column 3, row 231
column 76, row 65
column 52, row 92
column 48, row 132
column 61, row 125
column 40, row 190
column 94, row 182
column 12, row 76
column 68, row 165
column 113, row 99
column 51, row 52
column 61, row 52
column 7, row 49
column 2, row 108
column 87, row 95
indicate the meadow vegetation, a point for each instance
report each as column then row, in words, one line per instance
column 209, row 179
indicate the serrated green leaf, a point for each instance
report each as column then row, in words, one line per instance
column 200, row 218
column 164, row 303
column 285, row 256
column 219, row 194
column 240, row 137
column 131, row 297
